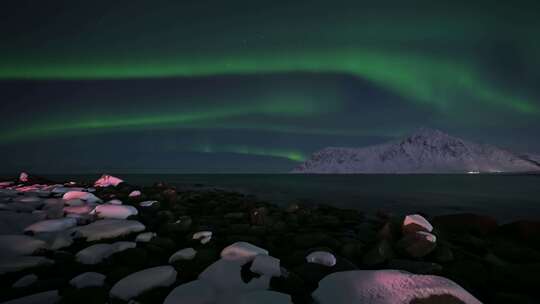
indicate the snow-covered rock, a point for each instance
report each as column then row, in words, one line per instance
column 15, row 222
column 263, row 297
column 62, row 190
column 183, row 255
column 81, row 195
column 88, row 279
column 194, row 292
column 144, row 280
column 385, row 286
column 95, row 254
column 115, row 202
column 322, row 258
column 145, row 237
column 83, row 209
column 266, row 265
column 46, row 297
column 203, row 236
column 14, row 245
column 107, row 228
column 426, row 151
column 25, row 281
column 415, row 222
column 18, row 263
column 107, row 180
column 418, row 244
column 23, row 177
column 135, row 193
column 115, row 211
column 51, row 225
column 225, row 277
column 242, row 252
column 148, row 203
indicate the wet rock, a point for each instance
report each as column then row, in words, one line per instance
column 88, row 279
column 465, row 223
column 25, row 281
column 525, row 231
column 417, row 267
column 259, row 216
column 380, row 253
column 352, row 251
column 418, row 244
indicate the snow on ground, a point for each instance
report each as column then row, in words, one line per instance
column 107, row 228
column 144, row 280
column 385, row 287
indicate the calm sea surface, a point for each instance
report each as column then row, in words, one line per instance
column 507, row 197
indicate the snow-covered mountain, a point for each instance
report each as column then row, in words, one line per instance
column 425, row 151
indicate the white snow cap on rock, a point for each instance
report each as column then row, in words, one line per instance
column 147, row 203
column 51, row 225
column 384, row 287
column 145, row 237
column 144, row 280
column 322, row 258
column 194, row 292
column 95, row 254
column 115, row 211
column 183, row 255
column 203, row 236
column 15, row 245
column 416, row 222
column 88, row 279
column 25, row 281
column 106, row 229
column 266, row 265
column 23, row 177
column 46, row 297
column 135, row 193
column 107, row 180
column 83, row 196
column 242, row 252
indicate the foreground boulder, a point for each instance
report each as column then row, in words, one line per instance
column 47, row 297
column 142, row 281
column 51, row 225
column 14, row 264
column 194, row 292
column 14, row 245
column 387, row 287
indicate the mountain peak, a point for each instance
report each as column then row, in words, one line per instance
column 424, row 151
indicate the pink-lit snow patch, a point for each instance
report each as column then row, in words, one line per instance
column 135, row 193
column 107, row 180
column 115, row 211
column 81, row 195
column 385, row 287
column 23, row 177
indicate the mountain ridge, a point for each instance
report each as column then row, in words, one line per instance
column 424, row 151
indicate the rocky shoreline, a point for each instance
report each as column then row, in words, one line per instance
column 112, row 242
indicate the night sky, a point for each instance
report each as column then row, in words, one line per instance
column 230, row 86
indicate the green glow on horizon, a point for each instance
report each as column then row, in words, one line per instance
column 293, row 155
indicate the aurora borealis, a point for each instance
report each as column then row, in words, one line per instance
column 244, row 86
